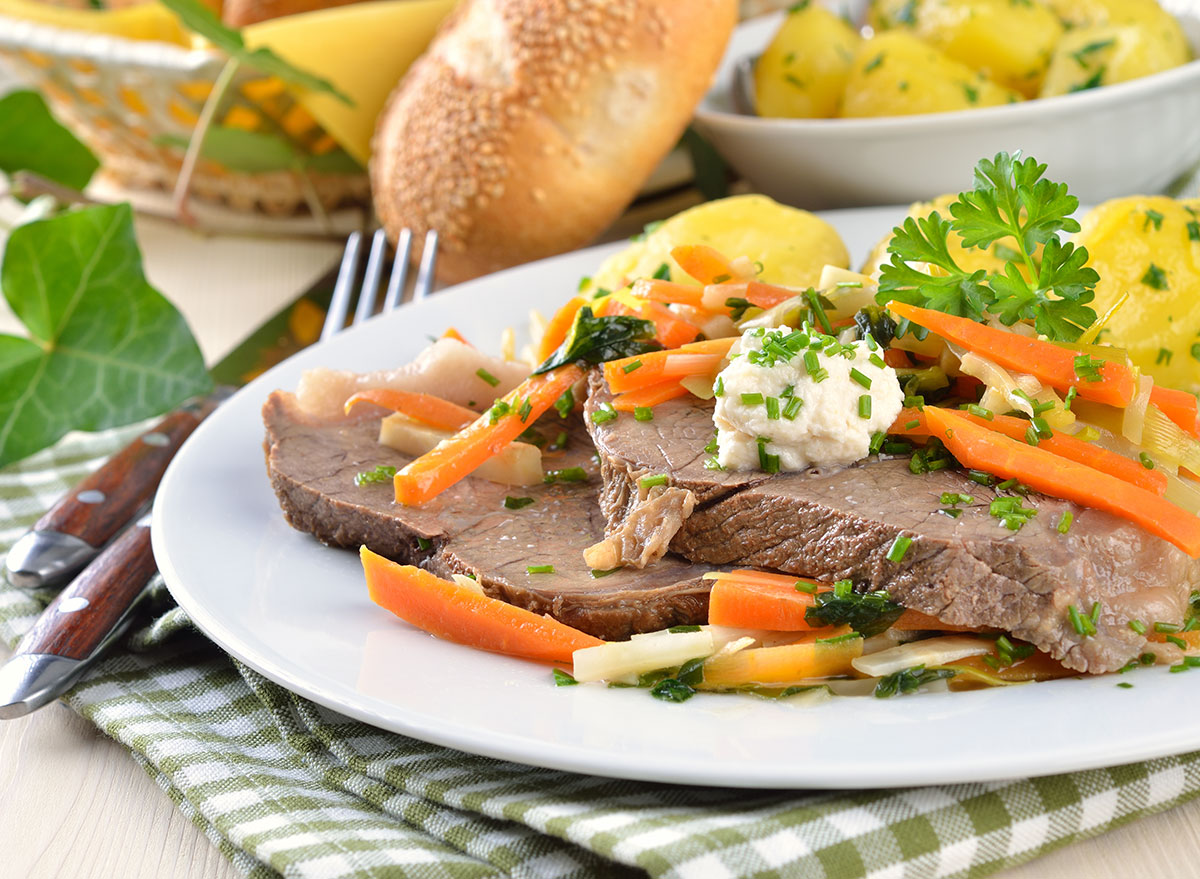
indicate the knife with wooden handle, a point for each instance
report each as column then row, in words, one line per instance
column 83, row 620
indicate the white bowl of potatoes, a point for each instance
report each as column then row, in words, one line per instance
column 1106, row 92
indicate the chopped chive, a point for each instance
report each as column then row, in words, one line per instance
column 897, row 447
column 864, row 406
column 719, row 387
column 875, row 359
column 424, row 543
column 652, row 481
column 980, row 477
column 630, row 367
column 1064, row 523
column 817, row 372
column 565, row 404
column 860, row 378
column 560, row 441
column 951, row 512
column 877, row 440
column 568, row 474
column 772, row 404
column 752, row 399
column 814, row 302
column 643, row 413
column 916, row 422
column 597, row 573
column 772, row 464
column 1166, row 627
column 562, row 679
column 539, row 569
column 526, row 410
column 1079, row 622
column 487, row 377
column 1146, row 460
column 1138, row 626
column 1094, row 616
column 1124, row 685
column 806, row 586
column 792, row 409
column 980, row 412
column 839, row 639
column 381, row 473
column 914, row 402
column 604, row 413
column 1070, row 398
column 517, row 503
column 1177, row 641
column 899, row 547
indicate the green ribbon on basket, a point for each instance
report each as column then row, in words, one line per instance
column 283, row 786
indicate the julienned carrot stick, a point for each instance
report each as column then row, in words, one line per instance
column 817, row 654
column 983, row 449
column 668, row 291
column 1062, row 444
column 753, row 604
column 460, row 614
column 706, row 264
column 670, row 329
column 1179, row 406
column 436, row 470
column 768, row 578
column 630, row 373
column 425, row 408
column 452, row 333
column 649, row 396
column 915, row 621
column 1114, row 383
column 768, row 295
column 558, row 327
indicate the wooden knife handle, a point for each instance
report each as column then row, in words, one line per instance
column 88, row 610
column 104, row 502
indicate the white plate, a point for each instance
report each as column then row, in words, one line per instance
column 298, row 612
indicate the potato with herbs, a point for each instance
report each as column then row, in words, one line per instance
column 1008, row 42
column 1149, row 246
column 1096, row 55
column 804, row 69
column 895, row 74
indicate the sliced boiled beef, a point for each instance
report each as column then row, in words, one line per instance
column 842, row 524
column 312, row 462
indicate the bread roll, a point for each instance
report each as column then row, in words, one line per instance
column 529, row 125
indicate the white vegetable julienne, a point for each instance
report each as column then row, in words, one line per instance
column 830, row 425
column 933, row 651
column 618, row 660
column 516, row 464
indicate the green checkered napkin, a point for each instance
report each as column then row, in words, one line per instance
column 283, row 786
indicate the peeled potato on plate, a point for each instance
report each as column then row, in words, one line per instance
column 792, row 245
column 1150, row 247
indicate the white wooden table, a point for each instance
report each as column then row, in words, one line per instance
column 73, row 804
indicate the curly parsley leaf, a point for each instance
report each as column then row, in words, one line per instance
column 31, row 139
column 199, row 18
column 595, row 340
column 1011, row 200
column 105, row 347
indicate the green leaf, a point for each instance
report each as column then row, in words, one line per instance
column 31, row 139
column 710, row 170
column 105, row 347
column 925, row 240
column 199, row 18
column 867, row 613
column 598, row 339
column 258, row 152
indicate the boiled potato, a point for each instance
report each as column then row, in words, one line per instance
column 1008, row 42
column 804, row 69
column 792, row 245
column 1096, row 55
column 1150, row 247
column 993, row 259
column 895, row 74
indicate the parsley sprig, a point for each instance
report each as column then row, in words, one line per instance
column 1010, row 199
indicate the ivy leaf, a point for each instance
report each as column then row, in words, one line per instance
column 199, row 18
column 31, row 139
column 105, row 347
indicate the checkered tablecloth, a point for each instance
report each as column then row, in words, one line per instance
column 285, row 787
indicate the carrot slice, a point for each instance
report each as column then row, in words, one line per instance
column 425, row 408
column 1037, row 667
column 752, row 604
column 558, row 327
column 1044, row 471
column 1062, row 444
column 1049, row 363
column 1179, row 406
column 455, row 458
column 460, row 614
column 452, row 333
column 768, row 295
column 915, row 621
column 706, row 264
column 649, row 396
column 630, row 373
column 746, row 575
column 819, row 654
column 668, row 291
column 897, row 359
column 670, row 329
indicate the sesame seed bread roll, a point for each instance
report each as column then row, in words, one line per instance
column 529, row 125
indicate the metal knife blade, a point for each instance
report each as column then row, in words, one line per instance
column 77, row 626
column 78, row 526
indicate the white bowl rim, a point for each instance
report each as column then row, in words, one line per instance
column 980, row 117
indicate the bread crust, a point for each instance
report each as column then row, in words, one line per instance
column 529, row 125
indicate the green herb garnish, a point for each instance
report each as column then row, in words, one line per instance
column 517, row 503
column 867, row 613
column 381, row 473
column 909, row 680
column 595, row 340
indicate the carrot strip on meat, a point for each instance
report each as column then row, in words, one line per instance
column 748, row 575
column 465, row 616
column 669, row 291
column 436, row 470
column 558, row 327
column 1062, row 444
column 649, row 396
column 754, row 604
column 1111, row 383
column 706, row 264
column 818, row 654
column 695, row 358
column 453, row 333
column 983, row 449
column 425, row 408
column 1180, row 406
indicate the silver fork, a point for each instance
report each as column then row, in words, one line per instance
column 343, row 290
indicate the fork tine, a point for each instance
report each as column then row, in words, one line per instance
column 335, row 319
column 395, row 289
column 424, row 284
column 370, row 284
